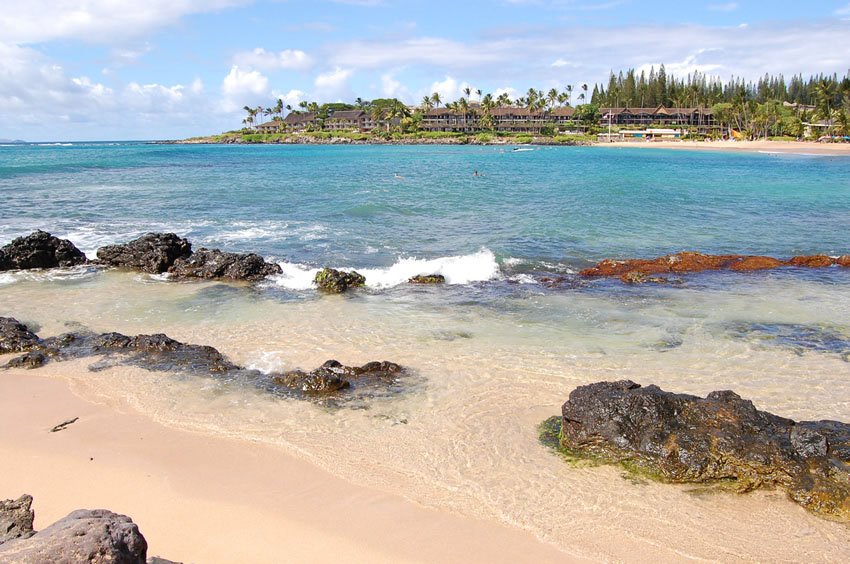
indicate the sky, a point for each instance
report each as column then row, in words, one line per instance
column 166, row 69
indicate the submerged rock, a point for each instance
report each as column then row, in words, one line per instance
column 698, row 262
column 333, row 376
column 337, row 282
column 153, row 253
column 213, row 263
column 15, row 336
column 796, row 337
column 163, row 354
column 718, row 439
column 40, row 250
column 635, row 278
column 16, row 519
column 94, row 536
column 428, row 279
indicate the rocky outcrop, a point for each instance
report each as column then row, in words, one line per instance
column 332, row 376
column 427, row 279
column 721, row 438
column 16, row 519
column 698, row 262
column 15, row 336
column 213, row 264
column 40, row 250
column 336, row 282
column 163, row 354
column 93, row 536
column 159, row 253
column 153, row 253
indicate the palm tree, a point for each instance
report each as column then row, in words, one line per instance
column 427, row 103
column 487, row 105
column 569, row 94
column 584, row 94
column 467, row 91
column 463, row 107
column 360, row 103
column 503, row 99
column 478, row 93
column 435, row 97
column 552, row 97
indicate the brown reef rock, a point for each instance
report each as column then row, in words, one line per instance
column 699, row 262
column 721, row 438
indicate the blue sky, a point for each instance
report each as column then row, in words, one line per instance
column 132, row 69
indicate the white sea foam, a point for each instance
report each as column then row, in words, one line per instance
column 7, row 278
column 524, row 279
column 463, row 269
column 295, row 276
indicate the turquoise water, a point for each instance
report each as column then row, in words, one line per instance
column 492, row 353
column 344, row 205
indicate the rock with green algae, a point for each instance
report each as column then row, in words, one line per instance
column 336, row 282
column 719, row 439
column 427, row 279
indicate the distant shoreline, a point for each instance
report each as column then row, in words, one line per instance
column 779, row 147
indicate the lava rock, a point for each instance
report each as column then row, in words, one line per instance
column 333, row 376
column 32, row 359
column 336, row 282
column 16, row 519
column 15, row 336
column 153, row 253
column 93, row 536
column 719, row 438
column 40, row 249
column 213, row 263
column 428, row 279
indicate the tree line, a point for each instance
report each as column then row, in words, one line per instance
column 818, row 104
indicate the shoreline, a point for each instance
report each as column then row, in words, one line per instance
column 803, row 148
column 200, row 498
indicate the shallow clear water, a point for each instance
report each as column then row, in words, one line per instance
column 493, row 353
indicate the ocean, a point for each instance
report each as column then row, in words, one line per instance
column 496, row 349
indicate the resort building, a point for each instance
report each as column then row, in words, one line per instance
column 506, row 118
column 700, row 118
column 650, row 134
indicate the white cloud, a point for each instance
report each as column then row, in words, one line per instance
column 845, row 11
column 291, row 98
column 450, row 89
column 393, row 88
column 563, row 63
column 292, row 59
column 241, row 87
column 239, row 82
column 509, row 90
column 417, row 51
column 33, row 21
column 333, row 84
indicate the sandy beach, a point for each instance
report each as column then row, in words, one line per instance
column 202, row 499
column 785, row 147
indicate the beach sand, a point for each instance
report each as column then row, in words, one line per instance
column 785, row 147
column 204, row 499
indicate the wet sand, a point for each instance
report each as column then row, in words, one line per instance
column 198, row 498
column 784, row 147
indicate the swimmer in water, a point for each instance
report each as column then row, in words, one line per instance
column 398, row 176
